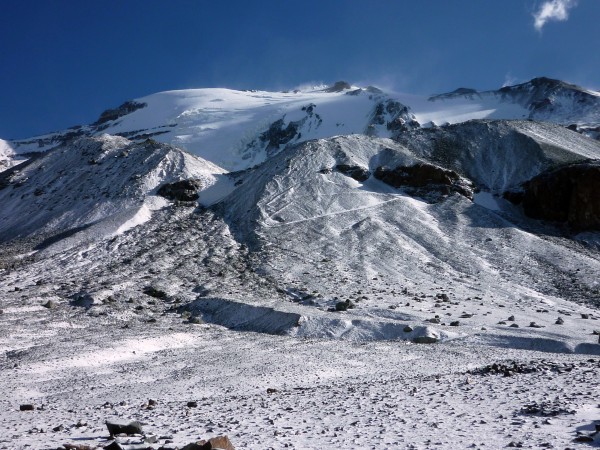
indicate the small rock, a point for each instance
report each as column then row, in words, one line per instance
column 87, row 447
column 559, row 321
column 344, row 306
column 219, row 442
column 271, row 390
column 192, row 404
column 456, row 323
column 26, row 407
column 407, row 329
column 511, row 319
column 514, row 325
column 585, row 316
column 50, row 304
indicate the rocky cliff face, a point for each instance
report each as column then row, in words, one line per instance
column 569, row 194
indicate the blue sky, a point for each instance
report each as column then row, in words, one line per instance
column 63, row 62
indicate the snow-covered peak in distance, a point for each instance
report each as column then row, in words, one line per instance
column 541, row 99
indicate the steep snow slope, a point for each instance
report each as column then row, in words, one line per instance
column 107, row 183
column 324, row 237
column 8, row 157
column 238, row 129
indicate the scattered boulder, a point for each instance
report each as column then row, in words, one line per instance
column 87, row 299
column 128, row 429
column 155, row 292
column 425, row 335
column 114, row 445
column 568, row 194
column 196, row 320
column 86, row 447
column 219, row 442
column 344, row 306
column 26, row 407
column 183, row 191
column 546, row 409
column 584, row 438
column 50, row 304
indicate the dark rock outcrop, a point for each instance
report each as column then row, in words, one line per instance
column 395, row 116
column 184, row 190
column 358, row 173
column 339, row 86
column 113, row 114
column 425, row 177
column 460, row 92
column 278, row 135
column 568, row 194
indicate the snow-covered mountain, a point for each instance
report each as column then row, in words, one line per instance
column 541, row 99
column 239, row 129
column 216, row 244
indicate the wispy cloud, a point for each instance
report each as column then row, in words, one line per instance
column 509, row 80
column 557, row 10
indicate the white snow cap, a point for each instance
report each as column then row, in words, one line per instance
column 557, row 10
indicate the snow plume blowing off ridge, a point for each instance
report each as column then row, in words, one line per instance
column 557, row 10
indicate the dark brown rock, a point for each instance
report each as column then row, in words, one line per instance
column 128, row 429
column 568, row 194
column 358, row 173
column 184, row 190
column 424, row 175
column 220, row 442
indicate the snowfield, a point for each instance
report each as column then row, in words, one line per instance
column 310, row 269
